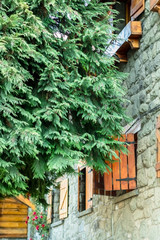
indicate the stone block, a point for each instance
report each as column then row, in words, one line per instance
column 132, row 204
column 143, row 108
column 141, row 178
column 146, row 158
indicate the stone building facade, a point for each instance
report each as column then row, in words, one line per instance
column 134, row 215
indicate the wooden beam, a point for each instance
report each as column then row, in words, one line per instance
column 13, row 218
column 12, row 205
column 26, row 201
column 13, row 235
column 16, row 211
column 134, row 43
column 13, row 231
column 122, row 57
column 157, row 166
column 155, row 5
column 13, row 225
column 127, row 39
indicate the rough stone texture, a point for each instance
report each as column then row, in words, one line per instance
column 136, row 218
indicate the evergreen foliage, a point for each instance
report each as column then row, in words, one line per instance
column 60, row 95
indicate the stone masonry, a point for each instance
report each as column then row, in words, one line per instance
column 135, row 215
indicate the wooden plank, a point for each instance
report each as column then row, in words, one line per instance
column 158, row 144
column 13, row 230
column 131, row 161
column 89, row 187
column 13, row 218
column 128, row 18
column 13, row 235
column 116, row 172
column 123, row 166
column 8, row 200
column 16, row 211
column 153, row 4
column 78, row 204
column 13, row 225
column 137, row 7
column 108, row 179
column 26, row 201
column 63, row 208
column 157, row 166
column 12, row 205
column 49, row 209
column 136, row 29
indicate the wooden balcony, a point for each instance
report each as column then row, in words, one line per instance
column 127, row 39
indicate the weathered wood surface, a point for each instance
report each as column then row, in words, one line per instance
column 13, row 215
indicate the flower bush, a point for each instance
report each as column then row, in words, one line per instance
column 38, row 220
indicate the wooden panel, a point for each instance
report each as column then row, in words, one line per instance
column 78, row 204
column 13, row 230
column 155, row 5
column 13, row 218
column 13, row 235
column 131, row 161
column 108, row 179
column 8, row 200
column 49, row 209
column 12, row 205
column 137, row 7
column 158, row 145
column 123, row 166
column 63, row 208
column 89, row 187
column 11, row 211
column 13, row 225
column 116, row 173
column 98, row 183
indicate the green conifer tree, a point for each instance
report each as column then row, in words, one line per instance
column 61, row 96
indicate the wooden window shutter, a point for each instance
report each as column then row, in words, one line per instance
column 63, row 207
column 137, row 7
column 123, row 175
column 49, row 209
column 78, row 189
column 158, row 146
column 89, row 187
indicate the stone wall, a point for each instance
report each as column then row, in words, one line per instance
column 135, row 215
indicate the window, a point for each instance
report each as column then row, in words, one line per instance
column 58, row 202
column 89, row 182
column 122, row 179
column 123, row 175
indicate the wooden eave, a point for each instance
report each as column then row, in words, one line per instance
column 26, row 201
column 129, row 38
column 155, row 5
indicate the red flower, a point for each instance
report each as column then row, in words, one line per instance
column 33, row 219
column 41, row 216
column 30, row 239
column 42, row 235
column 37, row 227
column 36, row 217
column 26, row 222
column 34, row 213
column 43, row 225
column 28, row 217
